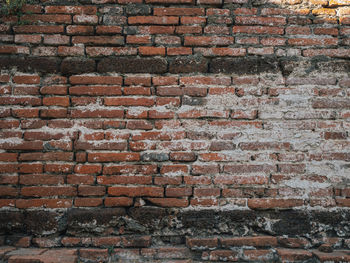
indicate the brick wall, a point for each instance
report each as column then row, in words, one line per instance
column 176, row 129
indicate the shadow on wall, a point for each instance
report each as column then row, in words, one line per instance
column 264, row 130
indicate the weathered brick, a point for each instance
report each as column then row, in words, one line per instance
column 208, row 41
column 79, row 30
column 132, row 65
column 71, row 9
column 169, row 202
column 243, row 66
column 188, row 65
column 72, row 66
column 46, row 29
column 135, row 191
column 155, row 20
column 70, row 51
column 31, row 64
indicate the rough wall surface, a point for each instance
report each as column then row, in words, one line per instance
column 175, row 131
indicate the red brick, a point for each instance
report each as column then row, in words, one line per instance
column 56, row 40
column 85, row 19
column 113, row 157
column 72, row 241
column 87, row 190
column 8, row 157
column 24, row 90
column 44, row 51
column 176, row 11
column 59, row 19
column 97, row 113
column 56, row 101
column 192, row 29
column 14, row 50
column 152, row 51
column 212, row 52
column 208, row 41
column 46, row 29
column 53, row 113
column 183, row 156
column 9, row 168
column 80, row 30
column 31, row 168
column 139, row 125
column 121, row 179
column 193, row 20
column 178, row 192
column 155, row 20
column 312, row 41
column 87, row 169
column 7, row 203
column 339, row 52
column 49, row 203
column 160, row 114
column 98, row 40
column 297, row 30
column 136, row 91
column 118, row 201
column 176, row 51
column 249, row 168
column 292, row 168
column 156, row 30
column 86, row 9
column 106, row 30
column 258, row 30
column 147, row 102
column 294, row 254
column 245, row 11
column 34, row 39
column 95, row 90
column 26, row 113
column 80, row 179
column 255, row 20
column 228, row 179
column 70, row 51
column 54, row 90
column 28, row 179
column 326, row 31
column 169, row 202
column 204, row 192
column 274, row 203
column 202, row 243
column 39, row 191
column 162, row 180
column 256, row 146
column 8, row 124
column 103, row 80
column 8, row 191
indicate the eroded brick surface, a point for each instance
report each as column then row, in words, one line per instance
column 175, row 131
